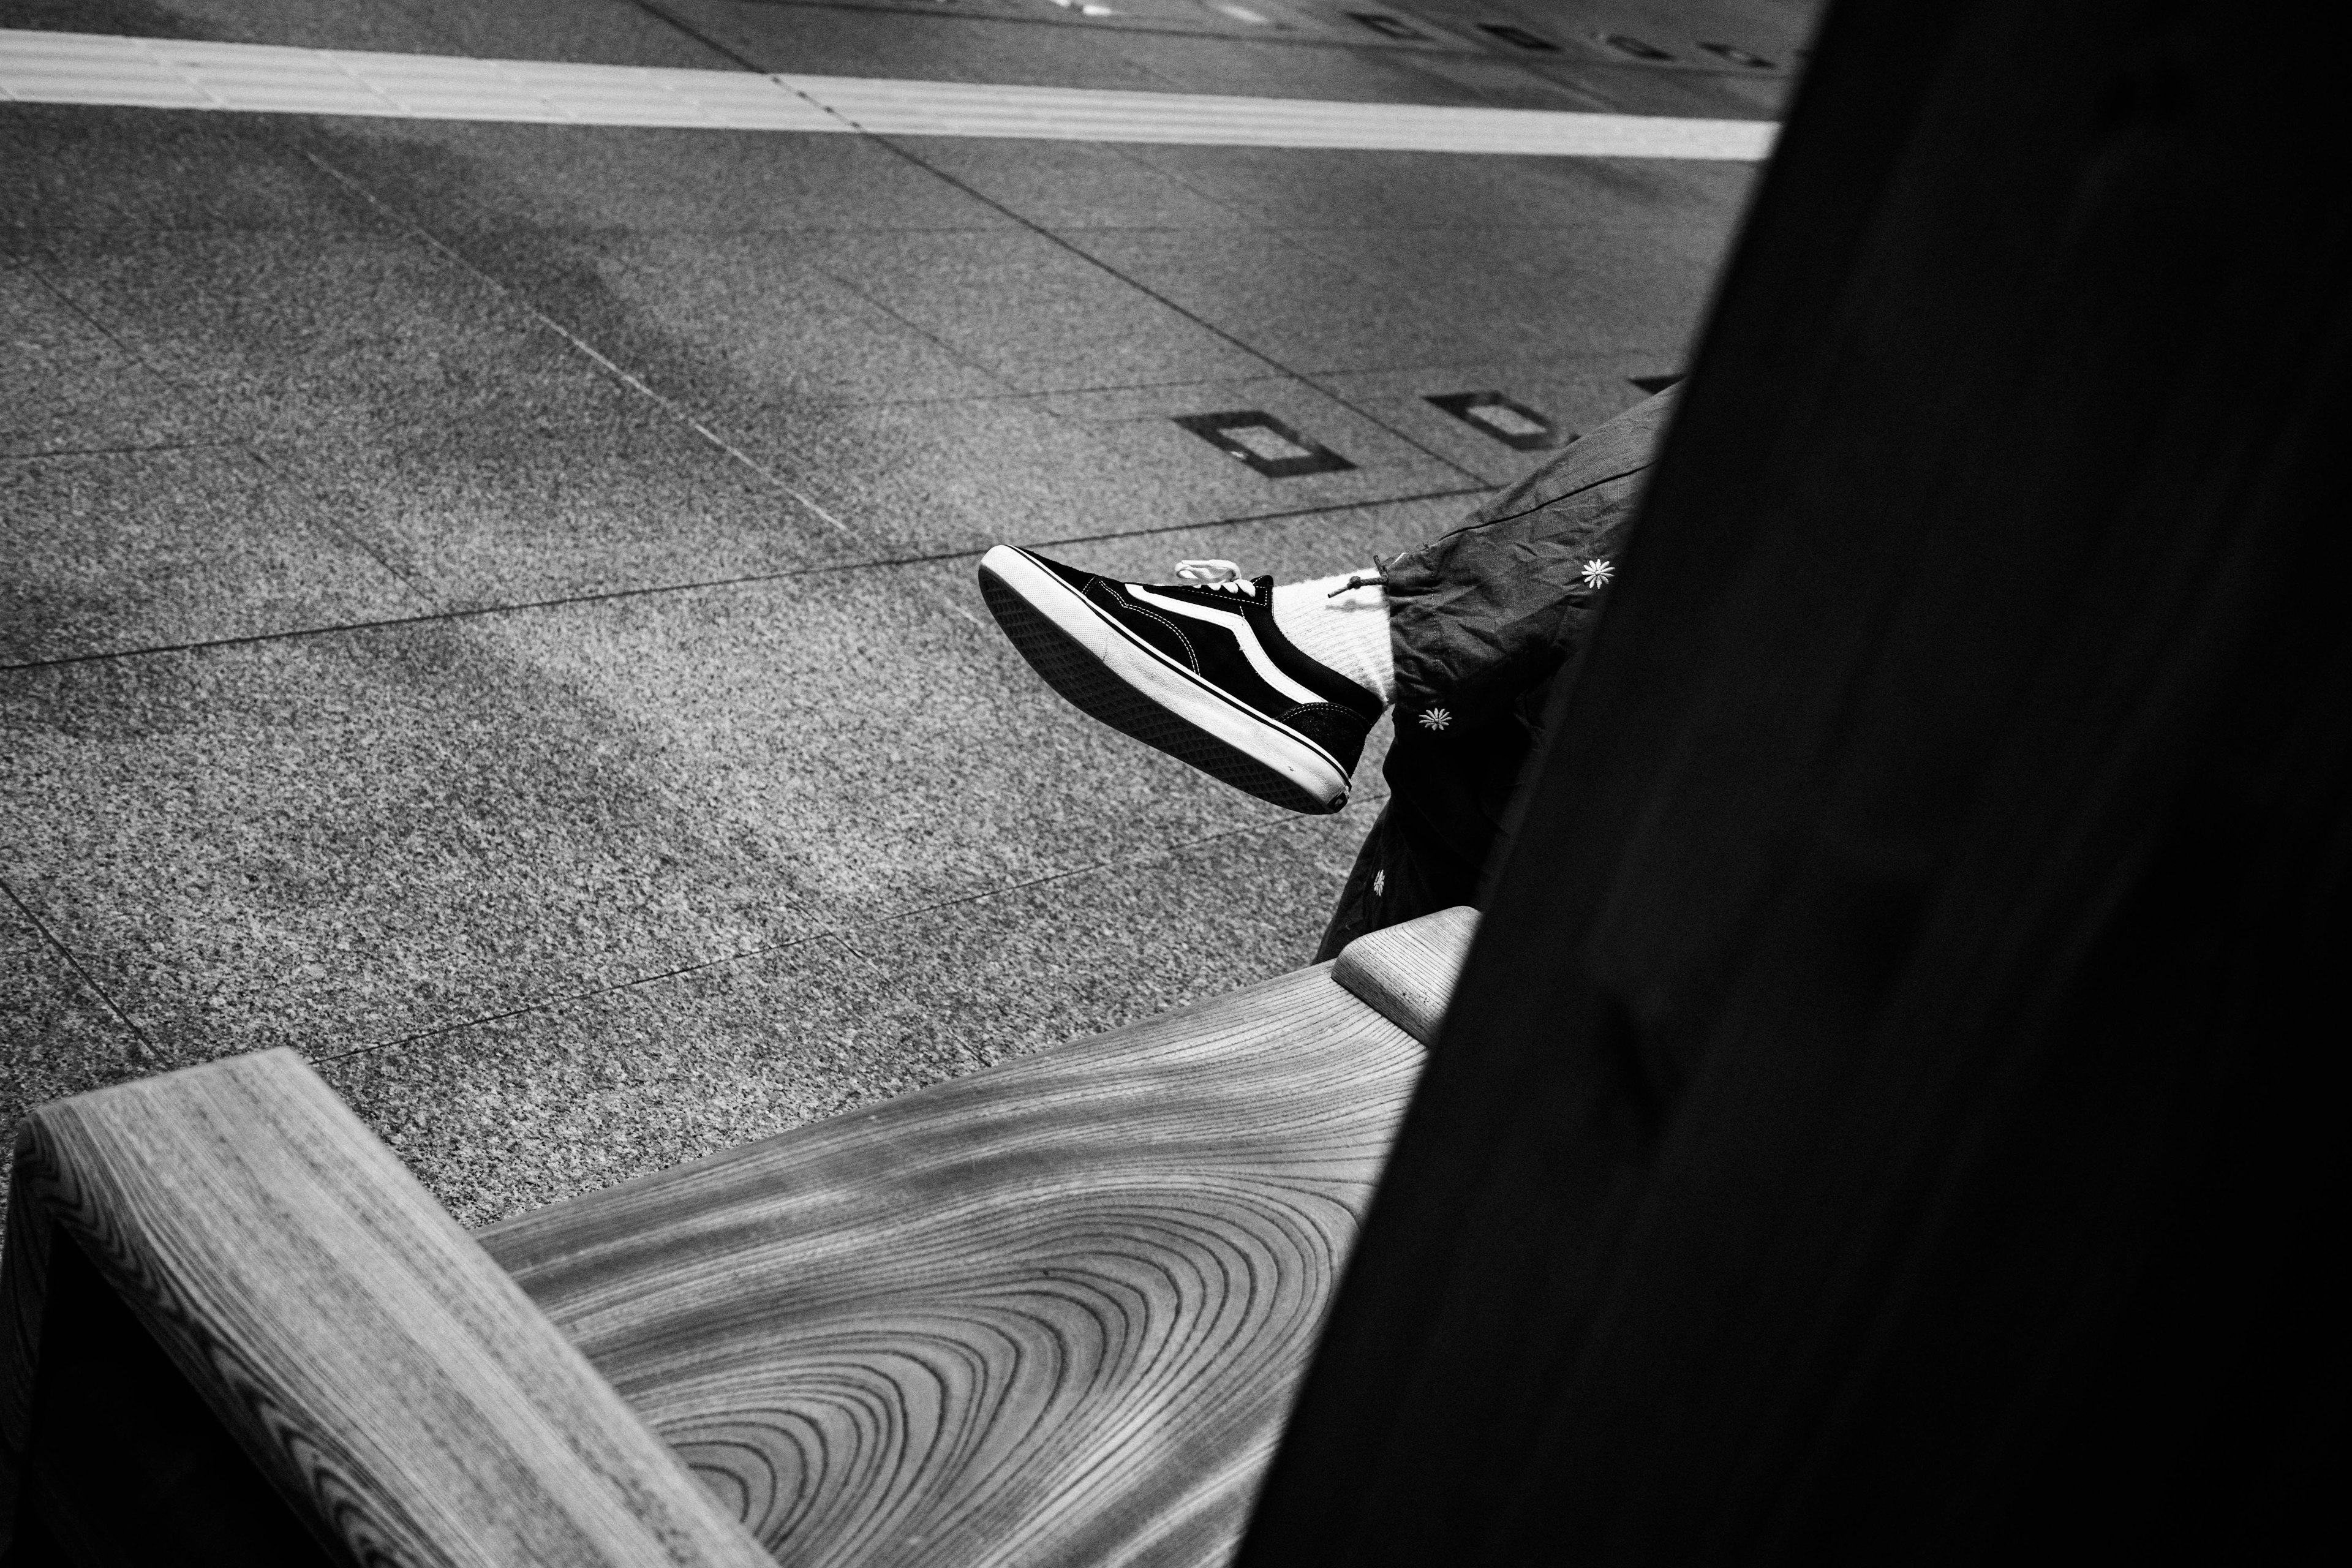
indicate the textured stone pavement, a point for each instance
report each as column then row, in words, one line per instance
column 490, row 605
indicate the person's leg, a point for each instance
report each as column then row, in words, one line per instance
column 1479, row 622
column 1484, row 613
column 1274, row 689
column 1341, row 622
column 1429, row 847
column 1204, row 669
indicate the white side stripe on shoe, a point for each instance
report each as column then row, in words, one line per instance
column 38, row 66
column 1234, row 622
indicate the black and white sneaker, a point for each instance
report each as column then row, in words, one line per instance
column 1199, row 670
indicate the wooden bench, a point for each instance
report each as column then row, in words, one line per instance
column 1054, row 1313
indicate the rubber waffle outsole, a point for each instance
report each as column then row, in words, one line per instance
column 1089, row 686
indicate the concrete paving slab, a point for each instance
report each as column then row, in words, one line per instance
column 335, row 840
column 1575, row 392
column 728, row 323
column 65, row 385
column 57, row 1037
column 916, row 478
column 595, row 32
column 19, row 935
column 326, row 841
column 837, row 41
column 107, row 552
column 1503, row 84
column 501, row 1117
column 919, row 479
column 147, row 171
column 543, row 833
column 294, row 332
column 509, row 1114
column 1674, row 26
column 1291, row 188
column 1292, row 548
column 1278, row 20
column 1372, row 298
column 1166, row 472
column 1511, row 292
column 1029, row 311
column 1299, row 305
column 614, row 496
column 611, row 32
column 1631, row 88
column 867, row 735
column 980, row 981
column 1248, row 68
column 394, row 27
column 1067, row 185
column 460, row 178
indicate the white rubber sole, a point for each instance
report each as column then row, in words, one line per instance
column 1145, row 672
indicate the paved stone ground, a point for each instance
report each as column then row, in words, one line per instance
column 491, row 606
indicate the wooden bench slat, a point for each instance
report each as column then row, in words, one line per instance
column 1407, row 972
column 384, row 1374
column 1050, row 1313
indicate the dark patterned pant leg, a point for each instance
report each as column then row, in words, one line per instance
column 1486, row 612
column 1480, row 620
column 1429, row 847
column 1363, row 898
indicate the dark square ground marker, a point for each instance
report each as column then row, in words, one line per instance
column 1492, row 414
column 1518, row 36
column 1654, row 384
column 1626, row 44
column 1387, row 26
column 1264, row 443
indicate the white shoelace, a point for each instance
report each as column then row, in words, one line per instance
column 1222, row 575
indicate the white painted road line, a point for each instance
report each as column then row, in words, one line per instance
column 1087, row 114
column 163, row 73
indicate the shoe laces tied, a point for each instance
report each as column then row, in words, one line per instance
column 1221, row 575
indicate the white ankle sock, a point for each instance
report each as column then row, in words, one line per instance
column 1348, row 634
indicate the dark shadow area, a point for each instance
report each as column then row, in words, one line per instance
column 1882, row 1117
column 125, row 1464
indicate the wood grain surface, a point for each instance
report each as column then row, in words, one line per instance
column 23, row 1287
column 405, row 1398
column 1407, row 972
column 1050, row 1313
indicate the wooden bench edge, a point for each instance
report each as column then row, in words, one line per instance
column 401, row 1392
column 1406, row 973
